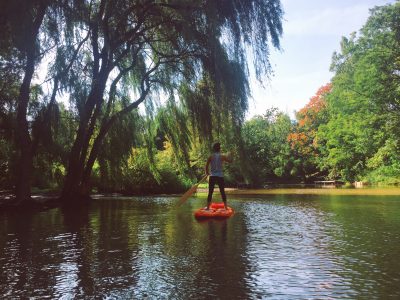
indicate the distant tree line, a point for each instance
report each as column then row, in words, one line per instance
column 350, row 130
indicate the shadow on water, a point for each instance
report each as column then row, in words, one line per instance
column 76, row 257
column 105, row 250
column 16, row 253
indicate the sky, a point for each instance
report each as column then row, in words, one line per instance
column 312, row 31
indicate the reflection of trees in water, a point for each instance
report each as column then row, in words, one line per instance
column 146, row 247
column 287, row 246
column 368, row 244
column 339, row 247
column 29, row 256
column 16, row 243
column 72, row 252
column 210, row 255
column 122, row 248
column 78, row 274
column 107, row 260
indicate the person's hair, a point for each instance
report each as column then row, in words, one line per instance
column 217, row 147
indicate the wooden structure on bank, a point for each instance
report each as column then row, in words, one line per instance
column 328, row 183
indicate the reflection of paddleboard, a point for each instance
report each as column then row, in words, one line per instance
column 216, row 211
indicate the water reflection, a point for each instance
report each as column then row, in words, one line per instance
column 279, row 247
column 291, row 257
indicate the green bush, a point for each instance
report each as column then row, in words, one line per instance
column 140, row 177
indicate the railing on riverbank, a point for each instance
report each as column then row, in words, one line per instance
column 328, row 183
column 273, row 185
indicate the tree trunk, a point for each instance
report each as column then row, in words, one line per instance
column 86, row 184
column 105, row 127
column 76, row 166
column 24, row 142
column 72, row 191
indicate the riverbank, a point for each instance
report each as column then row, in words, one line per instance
column 49, row 200
column 39, row 202
column 311, row 191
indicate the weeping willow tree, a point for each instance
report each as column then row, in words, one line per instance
column 125, row 134
column 137, row 51
column 216, row 110
column 110, row 56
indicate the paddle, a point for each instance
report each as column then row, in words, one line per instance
column 190, row 191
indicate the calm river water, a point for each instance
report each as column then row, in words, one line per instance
column 274, row 247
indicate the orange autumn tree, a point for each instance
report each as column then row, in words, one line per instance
column 303, row 140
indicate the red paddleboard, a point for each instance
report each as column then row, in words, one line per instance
column 216, row 211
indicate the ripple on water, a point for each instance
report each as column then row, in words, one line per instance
column 275, row 248
column 290, row 249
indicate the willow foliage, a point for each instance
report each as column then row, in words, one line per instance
column 110, row 56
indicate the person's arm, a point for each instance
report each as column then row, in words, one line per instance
column 207, row 165
column 227, row 158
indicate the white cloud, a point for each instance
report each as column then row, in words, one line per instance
column 329, row 21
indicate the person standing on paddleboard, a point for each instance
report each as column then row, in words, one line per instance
column 216, row 176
